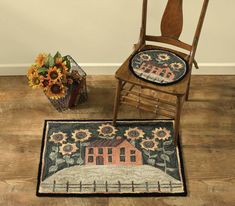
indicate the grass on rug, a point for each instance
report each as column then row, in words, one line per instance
column 94, row 158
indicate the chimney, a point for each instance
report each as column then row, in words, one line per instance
column 118, row 137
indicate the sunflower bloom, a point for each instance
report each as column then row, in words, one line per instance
column 134, row 133
column 145, row 57
column 45, row 82
column 81, row 135
column 163, row 57
column 40, row 59
column 54, row 74
column 68, row 149
column 58, row 137
column 161, row 133
column 61, row 64
column 34, row 81
column 107, row 130
column 149, row 144
column 176, row 65
column 32, row 70
column 58, row 60
column 55, row 91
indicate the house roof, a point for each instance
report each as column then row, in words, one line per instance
column 106, row 142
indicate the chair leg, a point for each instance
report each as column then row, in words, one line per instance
column 187, row 92
column 117, row 101
column 177, row 119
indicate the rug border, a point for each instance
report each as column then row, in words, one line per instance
column 38, row 194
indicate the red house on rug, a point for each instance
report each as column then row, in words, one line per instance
column 164, row 72
column 117, row 151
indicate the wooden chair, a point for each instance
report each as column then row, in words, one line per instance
column 166, row 100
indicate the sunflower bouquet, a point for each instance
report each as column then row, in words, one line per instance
column 60, row 77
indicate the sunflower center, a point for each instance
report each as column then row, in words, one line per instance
column 55, row 89
column 133, row 133
column 36, row 81
column 68, row 148
column 58, row 137
column 54, row 75
column 45, row 82
column 145, row 56
column 107, row 130
column 148, row 144
column 161, row 134
column 80, row 135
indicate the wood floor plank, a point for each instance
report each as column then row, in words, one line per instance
column 207, row 136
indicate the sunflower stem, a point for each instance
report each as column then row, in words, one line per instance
column 164, row 158
column 57, row 144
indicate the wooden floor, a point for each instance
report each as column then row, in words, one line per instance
column 208, row 139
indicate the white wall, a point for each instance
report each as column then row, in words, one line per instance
column 100, row 34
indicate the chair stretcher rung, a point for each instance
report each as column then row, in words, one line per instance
column 156, row 106
column 138, row 94
column 146, row 108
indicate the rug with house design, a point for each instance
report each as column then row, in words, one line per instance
column 94, row 157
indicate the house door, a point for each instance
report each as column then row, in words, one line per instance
column 99, row 160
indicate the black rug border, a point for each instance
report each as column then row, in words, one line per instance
column 38, row 194
column 157, row 83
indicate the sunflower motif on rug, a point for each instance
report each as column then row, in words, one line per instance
column 94, row 157
column 158, row 66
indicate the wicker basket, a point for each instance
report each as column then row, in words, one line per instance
column 76, row 92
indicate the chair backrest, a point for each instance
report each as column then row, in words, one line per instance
column 172, row 25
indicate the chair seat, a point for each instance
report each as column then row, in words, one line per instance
column 156, row 69
column 158, row 66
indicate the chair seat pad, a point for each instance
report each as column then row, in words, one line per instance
column 158, row 66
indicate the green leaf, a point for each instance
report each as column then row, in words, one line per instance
column 66, row 157
column 169, row 152
column 154, row 156
column 145, row 152
column 42, row 70
column 167, row 142
column 55, row 149
column 57, row 55
column 60, row 161
column 171, row 169
column 76, row 155
column 80, row 161
column 53, row 168
column 165, row 157
column 53, row 155
column 151, row 161
column 70, row 161
column 160, row 164
column 51, row 61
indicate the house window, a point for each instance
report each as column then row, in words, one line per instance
column 91, row 151
column 122, row 158
column 110, row 159
column 132, row 152
column 100, row 151
column 110, row 151
column 90, row 159
column 168, row 75
column 122, row 154
column 122, row 151
column 133, row 158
